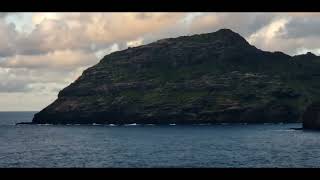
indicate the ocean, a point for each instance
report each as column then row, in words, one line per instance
column 228, row 145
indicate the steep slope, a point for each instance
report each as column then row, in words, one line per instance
column 207, row 78
column 311, row 117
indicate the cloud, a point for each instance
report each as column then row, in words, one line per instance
column 243, row 23
column 11, row 82
column 266, row 36
column 289, row 33
column 82, row 31
column 60, row 59
column 77, row 31
column 57, row 47
column 25, row 101
column 8, row 37
column 304, row 26
column 3, row 14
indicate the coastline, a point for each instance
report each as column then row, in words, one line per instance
column 161, row 124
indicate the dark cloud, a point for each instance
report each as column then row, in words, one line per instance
column 302, row 27
column 3, row 14
column 14, row 86
column 258, row 21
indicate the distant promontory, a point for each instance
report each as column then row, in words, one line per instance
column 207, row 78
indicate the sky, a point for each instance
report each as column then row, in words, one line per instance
column 41, row 53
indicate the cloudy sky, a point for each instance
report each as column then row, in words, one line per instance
column 40, row 53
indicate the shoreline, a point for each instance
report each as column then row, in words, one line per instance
column 161, row 124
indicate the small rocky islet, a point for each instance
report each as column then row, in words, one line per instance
column 205, row 78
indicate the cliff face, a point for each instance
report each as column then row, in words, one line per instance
column 207, row 78
column 311, row 117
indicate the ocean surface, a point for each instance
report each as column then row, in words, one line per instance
column 236, row 145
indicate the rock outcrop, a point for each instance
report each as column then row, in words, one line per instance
column 207, row 78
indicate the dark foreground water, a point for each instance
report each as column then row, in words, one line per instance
column 269, row 145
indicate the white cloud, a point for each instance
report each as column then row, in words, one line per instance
column 22, row 101
column 134, row 43
column 266, row 35
column 305, row 50
column 65, row 59
column 102, row 52
column 37, row 18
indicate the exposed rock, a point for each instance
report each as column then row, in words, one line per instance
column 207, row 78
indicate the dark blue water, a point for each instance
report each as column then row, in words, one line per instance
column 269, row 145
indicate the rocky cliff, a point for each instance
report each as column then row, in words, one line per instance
column 311, row 117
column 207, row 78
